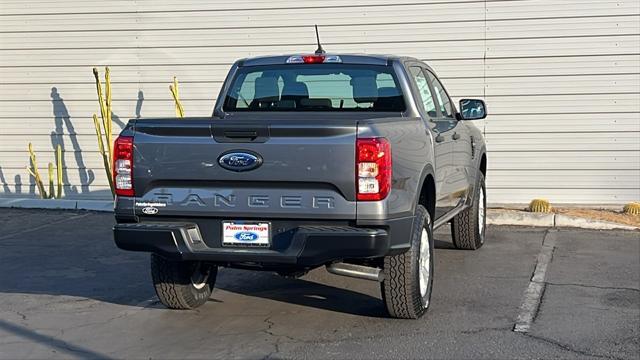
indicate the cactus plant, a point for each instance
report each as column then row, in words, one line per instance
column 632, row 208
column 176, row 98
column 104, row 129
column 59, row 170
column 539, row 205
column 33, row 170
column 51, row 180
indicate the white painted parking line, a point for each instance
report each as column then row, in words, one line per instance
column 533, row 294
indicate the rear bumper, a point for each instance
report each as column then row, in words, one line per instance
column 309, row 246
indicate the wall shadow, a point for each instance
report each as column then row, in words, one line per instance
column 17, row 183
column 5, row 185
column 139, row 104
column 63, row 124
column 64, row 134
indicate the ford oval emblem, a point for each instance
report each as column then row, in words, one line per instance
column 246, row 236
column 240, row 160
column 150, row 210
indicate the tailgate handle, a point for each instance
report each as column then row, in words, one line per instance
column 241, row 134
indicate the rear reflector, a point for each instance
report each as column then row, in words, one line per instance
column 313, row 59
column 123, row 166
column 373, row 168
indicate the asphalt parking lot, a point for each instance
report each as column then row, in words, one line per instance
column 66, row 291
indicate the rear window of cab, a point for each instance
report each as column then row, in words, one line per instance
column 315, row 87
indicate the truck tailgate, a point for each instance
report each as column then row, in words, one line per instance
column 307, row 168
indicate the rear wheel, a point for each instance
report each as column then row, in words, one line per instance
column 182, row 284
column 406, row 288
column 469, row 226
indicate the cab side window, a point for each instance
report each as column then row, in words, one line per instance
column 423, row 89
column 443, row 98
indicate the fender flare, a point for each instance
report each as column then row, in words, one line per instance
column 427, row 170
column 482, row 152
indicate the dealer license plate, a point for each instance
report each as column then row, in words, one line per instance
column 239, row 233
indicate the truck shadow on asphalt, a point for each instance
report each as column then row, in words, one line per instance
column 47, row 261
column 301, row 292
column 310, row 293
column 70, row 257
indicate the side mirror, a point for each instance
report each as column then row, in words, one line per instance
column 472, row 109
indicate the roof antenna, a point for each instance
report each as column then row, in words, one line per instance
column 320, row 50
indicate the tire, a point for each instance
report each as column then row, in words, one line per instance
column 469, row 226
column 406, row 288
column 182, row 284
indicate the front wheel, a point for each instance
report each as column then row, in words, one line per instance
column 406, row 288
column 182, row 284
column 469, row 226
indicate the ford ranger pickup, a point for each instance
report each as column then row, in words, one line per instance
column 336, row 160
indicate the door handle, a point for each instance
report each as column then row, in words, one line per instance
column 439, row 138
column 455, row 136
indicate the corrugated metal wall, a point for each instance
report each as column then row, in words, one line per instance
column 562, row 78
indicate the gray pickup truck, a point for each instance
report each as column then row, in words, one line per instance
column 336, row 160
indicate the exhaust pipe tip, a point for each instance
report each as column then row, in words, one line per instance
column 356, row 271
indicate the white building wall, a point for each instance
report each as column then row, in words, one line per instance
column 561, row 78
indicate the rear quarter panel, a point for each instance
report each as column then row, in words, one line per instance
column 412, row 157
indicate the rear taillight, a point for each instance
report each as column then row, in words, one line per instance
column 373, row 168
column 123, row 166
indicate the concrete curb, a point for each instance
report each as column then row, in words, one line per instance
column 523, row 218
column 584, row 223
column 502, row 217
column 62, row 204
column 494, row 216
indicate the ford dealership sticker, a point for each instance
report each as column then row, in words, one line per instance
column 245, row 234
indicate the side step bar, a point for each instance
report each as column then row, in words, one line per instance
column 356, row 271
column 443, row 220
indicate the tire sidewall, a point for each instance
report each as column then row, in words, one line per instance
column 426, row 224
column 174, row 286
column 480, row 235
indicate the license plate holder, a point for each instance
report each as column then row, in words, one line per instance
column 246, row 233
